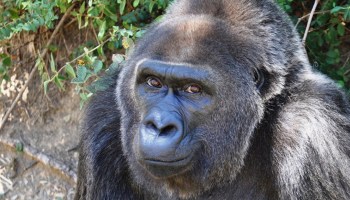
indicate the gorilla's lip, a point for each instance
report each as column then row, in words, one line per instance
column 157, row 161
column 166, row 168
column 178, row 162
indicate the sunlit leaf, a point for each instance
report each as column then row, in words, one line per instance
column 69, row 70
column 52, row 64
column 136, row 3
column 97, row 66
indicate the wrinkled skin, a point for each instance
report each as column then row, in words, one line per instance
column 217, row 101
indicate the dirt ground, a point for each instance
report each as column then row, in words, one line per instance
column 50, row 139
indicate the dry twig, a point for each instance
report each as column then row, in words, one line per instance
column 307, row 15
column 309, row 21
column 47, row 160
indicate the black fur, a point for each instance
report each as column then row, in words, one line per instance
column 288, row 138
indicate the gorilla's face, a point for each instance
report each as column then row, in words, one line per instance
column 173, row 100
column 188, row 109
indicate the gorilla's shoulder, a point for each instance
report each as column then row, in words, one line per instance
column 315, row 114
column 311, row 135
column 318, row 91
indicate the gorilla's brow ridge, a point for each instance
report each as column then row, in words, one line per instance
column 183, row 72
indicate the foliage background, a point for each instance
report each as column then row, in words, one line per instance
column 113, row 26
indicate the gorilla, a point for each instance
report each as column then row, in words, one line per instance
column 217, row 101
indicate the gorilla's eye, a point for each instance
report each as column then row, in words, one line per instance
column 193, row 89
column 154, row 82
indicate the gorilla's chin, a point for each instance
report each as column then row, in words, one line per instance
column 160, row 169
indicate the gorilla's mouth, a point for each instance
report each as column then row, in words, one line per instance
column 171, row 162
column 167, row 168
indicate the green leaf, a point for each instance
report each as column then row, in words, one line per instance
column 97, row 66
column 83, row 96
column 86, row 21
column 36, row 23
column 110, row 14
column 79, row 21
column 70, row 71
column 333, row 53
column 88, row 75
column 332, row 34
column 117, row 58
column 336, row 9
column 27, row 27
column 102, row 30
column 140, row 33
column 100, row 85
column 101, row 52
column 6, row 61
column 58, row 82
column 115, row 29
column 86, row 51
column 14, row 13
column 77, row 80
column 135, row 3
column 52, row 64
column 53, row 48
column 93, row 11
column 45, row 85
column 151, row 5
column 45, row 76
column 347, row 14
column 81, row 75
column 112, row 68
column 82, row 8
column 341, row 29
column 122, row 4
column 40, row 64
column 81, row 72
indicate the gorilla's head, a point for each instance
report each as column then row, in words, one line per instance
column 191, row 95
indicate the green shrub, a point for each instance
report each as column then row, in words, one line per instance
column 327, row 37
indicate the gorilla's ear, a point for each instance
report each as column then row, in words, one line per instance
column 259, row 78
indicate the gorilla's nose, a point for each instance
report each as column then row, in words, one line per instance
column 162, row 128
column 160, row 134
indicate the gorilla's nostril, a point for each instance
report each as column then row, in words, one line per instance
column 151, row 126
column 168, row 130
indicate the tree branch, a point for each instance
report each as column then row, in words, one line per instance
column 47, row 160
column 309, row 21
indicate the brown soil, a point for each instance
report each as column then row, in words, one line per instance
column 50, row 138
